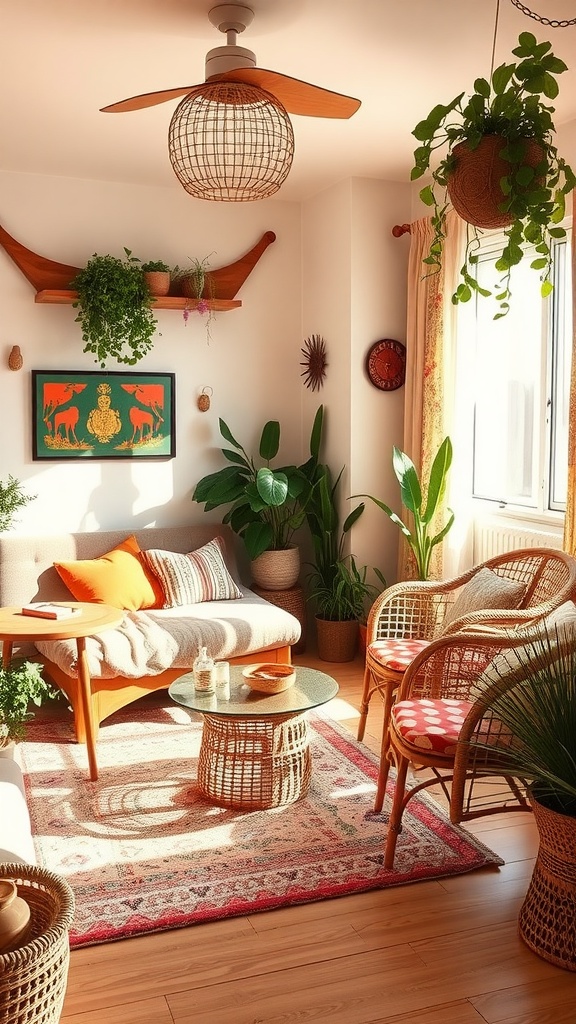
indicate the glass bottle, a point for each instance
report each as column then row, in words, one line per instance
column 203, row 669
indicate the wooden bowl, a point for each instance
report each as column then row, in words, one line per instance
column 269, row 678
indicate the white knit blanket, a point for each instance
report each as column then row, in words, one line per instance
column 147, row 643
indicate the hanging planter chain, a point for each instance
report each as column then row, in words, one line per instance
column 538, row 17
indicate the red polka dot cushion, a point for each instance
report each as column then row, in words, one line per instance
column 396, row 654
column 432, row 725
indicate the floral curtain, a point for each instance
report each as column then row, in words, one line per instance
column 570, row 518
column 430, row 360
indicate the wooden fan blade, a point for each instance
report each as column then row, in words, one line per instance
column 146, row 99
column 298, row 97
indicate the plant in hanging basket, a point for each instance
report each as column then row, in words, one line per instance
column 501, row 169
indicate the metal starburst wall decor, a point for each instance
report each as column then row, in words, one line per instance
column 314, row 362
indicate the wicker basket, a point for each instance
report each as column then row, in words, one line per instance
column 276, row 570
column 33, row 977
column 291, row 600
column 474, row 184
column 547, row 920
column 337, row 641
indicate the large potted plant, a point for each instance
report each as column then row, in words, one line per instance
column 265, row 509
column 21, row 683
column 422, row 502
column 501, row 168
column 535, row 700
column 114, row 309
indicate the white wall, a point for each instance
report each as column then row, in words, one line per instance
column 354, row 294
column 252, row 362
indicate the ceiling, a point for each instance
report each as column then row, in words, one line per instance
column 64, row 59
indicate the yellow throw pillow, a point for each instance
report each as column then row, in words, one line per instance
column 118, row 578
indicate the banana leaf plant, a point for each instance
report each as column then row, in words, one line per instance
column 265, row 502
column 423, row 511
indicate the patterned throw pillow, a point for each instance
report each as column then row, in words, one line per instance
column 198, row 576
column 485, row 590
column 118, row 578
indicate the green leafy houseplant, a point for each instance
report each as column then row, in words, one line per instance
column 532, row 181
column 155, row 267
column 12, row 498
column 265, row 510
column 21, row 683
column 420, row 537
column 114, row 309
column 337, row 587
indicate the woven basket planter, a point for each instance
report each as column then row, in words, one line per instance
column 276, row 570
column 547, row 920
column 33, row 977
column 337, row 641
column 158, row 281
column 474, row 184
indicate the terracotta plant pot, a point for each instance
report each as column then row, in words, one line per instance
column 474, row 184
column 276, row 570
column 158, row 281
column 547, row 921
column 337, row 641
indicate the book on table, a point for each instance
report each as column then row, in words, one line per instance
column 47, row 610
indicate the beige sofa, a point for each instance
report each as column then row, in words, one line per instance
column 240, row 631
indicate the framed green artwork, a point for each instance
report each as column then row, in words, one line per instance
column 95, row 414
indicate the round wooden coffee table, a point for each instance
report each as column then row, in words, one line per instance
column 255, row 749
column 14, row 626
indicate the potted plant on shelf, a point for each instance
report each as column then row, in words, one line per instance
column 12, row 498
column 535, row 700
column 114, row 309
column 412, row 495
column 157, row 277
column 264, row 511
column 502, row 169
column 21, row 683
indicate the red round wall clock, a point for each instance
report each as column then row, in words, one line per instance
column 386, row 364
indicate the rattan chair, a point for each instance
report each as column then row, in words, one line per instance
column 407, row 616
column 33, row 977
column 443, row 706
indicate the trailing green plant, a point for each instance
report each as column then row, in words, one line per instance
column 113, row 309
column 12, row 498
column 336, row 585
column 513, row 105
column 155, row 266
column 538, row 710
column 265, row 502
column 21, row 683
column 412, row 495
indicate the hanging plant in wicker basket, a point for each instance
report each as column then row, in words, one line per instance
column 501, row 170
column 314, row 362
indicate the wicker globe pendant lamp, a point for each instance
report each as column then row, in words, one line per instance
column 230, row 142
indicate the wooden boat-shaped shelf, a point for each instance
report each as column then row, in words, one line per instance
column 52, row 280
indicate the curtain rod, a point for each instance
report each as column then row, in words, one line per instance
column 401, row 229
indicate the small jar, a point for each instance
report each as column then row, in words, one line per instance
column 14, row 916
column 203, row 670
column 222, row 679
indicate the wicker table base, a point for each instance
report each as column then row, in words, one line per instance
column 253, row 763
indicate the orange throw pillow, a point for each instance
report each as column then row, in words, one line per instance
column 118, row 578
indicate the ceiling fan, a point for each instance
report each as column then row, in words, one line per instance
column 205, row 137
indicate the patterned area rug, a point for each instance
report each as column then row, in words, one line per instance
column 145, row 852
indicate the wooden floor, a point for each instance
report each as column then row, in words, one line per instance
column 438, row 952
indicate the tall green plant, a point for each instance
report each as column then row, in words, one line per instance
column 336, row 585
column 423, row 503
column 12, row 498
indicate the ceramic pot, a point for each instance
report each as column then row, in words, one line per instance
column 276, row 570
column 14, row 916
column 158, row 281
column 474, row 184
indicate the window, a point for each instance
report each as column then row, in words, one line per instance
column 520, row 369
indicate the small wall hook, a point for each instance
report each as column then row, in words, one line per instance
column 204, row 399
column 15, row 360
